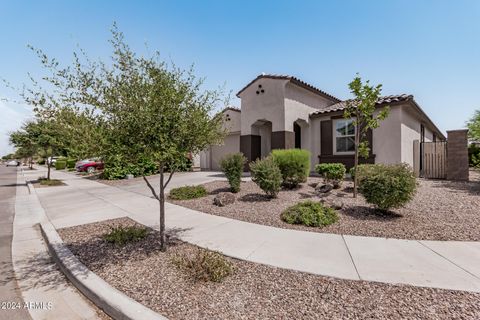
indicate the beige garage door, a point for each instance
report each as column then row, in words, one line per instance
column 232, row 145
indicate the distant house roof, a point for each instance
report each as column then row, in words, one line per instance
column 340, row 106
column 293, row 80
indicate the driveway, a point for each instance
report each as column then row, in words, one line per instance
column 9, row 291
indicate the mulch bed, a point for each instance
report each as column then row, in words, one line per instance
column 253, row 291
column 441, row 210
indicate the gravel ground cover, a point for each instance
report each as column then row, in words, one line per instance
column 441, row 210
column 253, row 291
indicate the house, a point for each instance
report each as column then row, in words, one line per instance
column 281, row 112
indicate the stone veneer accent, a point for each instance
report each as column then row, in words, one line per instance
column 457, row 155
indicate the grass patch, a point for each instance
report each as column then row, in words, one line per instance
column 122, row 235
column 310, row 213
column 188, row 192
column 51, row 182
column 204, row 265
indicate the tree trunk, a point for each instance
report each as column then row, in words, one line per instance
column 48, row 169
column 355, row 163
column 161, row 201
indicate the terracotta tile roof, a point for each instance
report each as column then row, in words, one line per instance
column 382, row 100
column 293, row 80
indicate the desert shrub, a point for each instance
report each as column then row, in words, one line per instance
column 310, row 213
column 71, row 163
column 332, row 172
column 60, row 164
column 474, row 156
column 204, row 265
column 41, row 161
column 232, row 167
column 267, row 175
column 188, row 192
column 387, row 186
column 51, row 182
column 122, row 235
column 294, row 164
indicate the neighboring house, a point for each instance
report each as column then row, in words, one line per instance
column 281, row 112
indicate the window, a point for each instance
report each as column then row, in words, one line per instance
column 344, row 136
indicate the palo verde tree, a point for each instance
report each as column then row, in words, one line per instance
column 362, row 109
column 148, row 109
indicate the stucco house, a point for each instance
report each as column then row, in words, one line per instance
column 279, row 112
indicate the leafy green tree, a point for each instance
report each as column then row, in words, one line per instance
column 148, row 109
column 362, row 110
column 45, row 137
column 24, row 144
column 473, row 126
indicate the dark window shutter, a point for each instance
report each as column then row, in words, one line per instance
column 326, row 146
column 369, row 135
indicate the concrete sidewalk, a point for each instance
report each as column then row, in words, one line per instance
column 448, row 265
column 42, row 285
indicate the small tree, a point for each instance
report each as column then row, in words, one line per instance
column 473, row 126
column 24, row 144
column 148, row 109
column 47, row 139
column 362, row 109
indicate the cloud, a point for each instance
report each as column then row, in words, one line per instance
column 12, row 116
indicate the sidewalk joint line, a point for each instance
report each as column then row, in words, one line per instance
column 250, row 254
column 351, row 258
column 472, row 274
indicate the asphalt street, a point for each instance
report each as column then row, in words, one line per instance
column 11, row 302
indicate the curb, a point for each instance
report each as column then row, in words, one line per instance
column 112, row 301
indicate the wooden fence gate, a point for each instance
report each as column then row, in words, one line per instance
column 433, row 160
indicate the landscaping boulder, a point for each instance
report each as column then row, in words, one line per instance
column 224, row 198
column 323, row 188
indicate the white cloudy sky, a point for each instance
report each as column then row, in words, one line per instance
column 12, row 116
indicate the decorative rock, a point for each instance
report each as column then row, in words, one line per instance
column 336, row 204
column 224, row 198
column 323, row 188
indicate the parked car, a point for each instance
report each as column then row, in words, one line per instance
column 13, row 163
column 89, row 165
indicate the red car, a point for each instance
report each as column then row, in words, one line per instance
column 89, row 165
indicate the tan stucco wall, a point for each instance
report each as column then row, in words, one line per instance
column 386, row 139
column 299, row 103
column 268, row 106
column 411, row 122
column 209, row 158
column 231, row 145
column 234, row 124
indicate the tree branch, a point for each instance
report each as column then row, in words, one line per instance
column 169, row 178
column 151, row 188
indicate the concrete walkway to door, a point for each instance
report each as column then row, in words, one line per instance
column 438, row 264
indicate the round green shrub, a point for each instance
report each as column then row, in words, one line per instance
column 332, row 172
column 294, row 164
column 71, row 163
column 267, row 175
column 188, row 192
column 387, row 186
column 232, row 167
column 310, row 213
column 60, row 164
